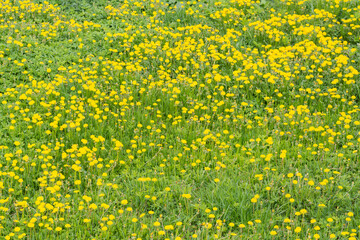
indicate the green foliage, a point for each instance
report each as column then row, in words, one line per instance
column 229, row 119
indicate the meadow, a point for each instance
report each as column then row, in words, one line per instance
column 167, row 119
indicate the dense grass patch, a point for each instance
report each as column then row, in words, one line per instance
column 209, row 119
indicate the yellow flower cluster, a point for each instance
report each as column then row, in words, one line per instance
column 151, row 119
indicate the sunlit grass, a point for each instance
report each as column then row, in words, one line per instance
column 177, row 120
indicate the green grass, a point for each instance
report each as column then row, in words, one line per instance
column 177, row 120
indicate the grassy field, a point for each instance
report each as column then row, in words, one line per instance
column 150, row 119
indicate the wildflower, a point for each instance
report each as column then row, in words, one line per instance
column 273, row 233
